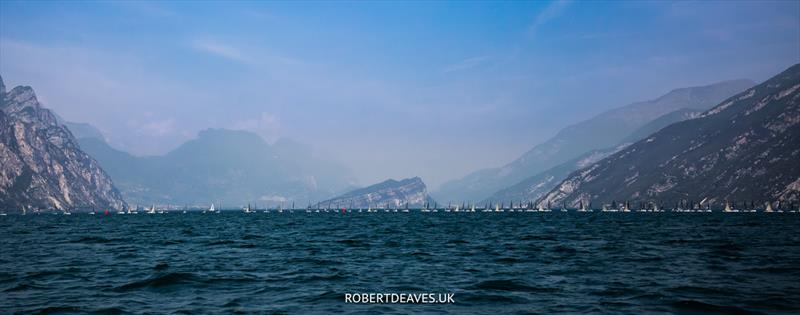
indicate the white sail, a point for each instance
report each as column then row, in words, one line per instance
column 728, row 207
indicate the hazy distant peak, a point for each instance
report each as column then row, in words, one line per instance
column 221, row 134
column 707, row 91
column 2, row 86
column 604, row 130
column 288, row 143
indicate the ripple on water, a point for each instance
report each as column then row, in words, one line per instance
column 160, row 281
column 495, row 263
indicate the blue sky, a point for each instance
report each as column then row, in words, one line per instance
column 391, row 89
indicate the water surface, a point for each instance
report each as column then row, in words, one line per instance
column 493, row 262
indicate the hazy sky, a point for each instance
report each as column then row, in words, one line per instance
column 391, row 89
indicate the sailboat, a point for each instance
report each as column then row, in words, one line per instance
column 122, row 210
column 152, row 209
column 134, row 210
column 728, row 208
column 425, row 208
column 769, row 207
column 472, row 209
column 248, row 209
column 210, row 209
column 529, row 207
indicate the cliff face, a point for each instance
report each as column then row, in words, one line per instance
column 747, row 147
column 41, row 164
column 388, row 194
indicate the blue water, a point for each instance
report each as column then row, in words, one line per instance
column 493, row 262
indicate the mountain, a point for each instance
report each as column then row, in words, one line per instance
column 42, row 163
column 602, row 131
column 745, row 148
column 80, row 130
column 223, row 166
column 534, row 187
column 390, row 193
column 661, row 122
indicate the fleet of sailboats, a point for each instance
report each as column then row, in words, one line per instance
column 704, row 206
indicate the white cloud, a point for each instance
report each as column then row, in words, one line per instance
column 221, row 50
column 267, row 126
column 553, row 10
column 158, row 128
column 465, row 64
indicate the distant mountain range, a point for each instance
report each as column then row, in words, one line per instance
column 42, row 165
column 388, row 194
column 601, row 132
column 223, row 166
column 745, row 148
column 535, row 187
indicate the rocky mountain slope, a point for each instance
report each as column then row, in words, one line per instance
column 534, row 187
column 600, row 132
column 41, row 164
column 388, row 194
column 746, row 148
column 223, row 166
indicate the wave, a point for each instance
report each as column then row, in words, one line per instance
column 697, row 307
column 161, row 281
column 509, row 285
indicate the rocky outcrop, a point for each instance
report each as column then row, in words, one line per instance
column 388, row 194
column 745, row 148
column 41, row 164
